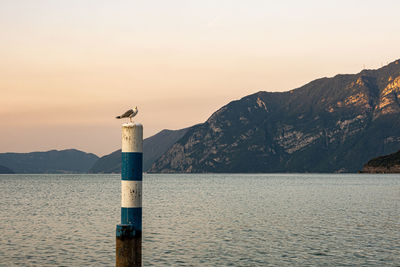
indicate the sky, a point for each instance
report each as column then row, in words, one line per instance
column 68, row 67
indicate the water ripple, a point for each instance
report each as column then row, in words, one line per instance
column 204, row 220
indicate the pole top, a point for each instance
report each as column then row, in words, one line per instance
column 132, row 137
column 132, row 124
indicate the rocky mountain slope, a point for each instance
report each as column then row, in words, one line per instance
column 53, row 161
column 384, row 164
column 153, row 148
column 328, row 125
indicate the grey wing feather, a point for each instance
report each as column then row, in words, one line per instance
column 127, row 114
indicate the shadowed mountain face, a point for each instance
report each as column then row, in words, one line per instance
column 384, row 164
column 153, row 148
column 329, row 125
column 5, row 170
column 54, row 161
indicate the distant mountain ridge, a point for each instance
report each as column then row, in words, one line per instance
column 5, row 170
column 328, row 125
column 53, row 161
column 75, row 161
column 153, row 148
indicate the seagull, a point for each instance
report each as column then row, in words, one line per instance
column 129, row 114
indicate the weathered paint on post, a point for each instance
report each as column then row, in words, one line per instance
column 129, row 232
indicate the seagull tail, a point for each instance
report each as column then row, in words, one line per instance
column 118, row 117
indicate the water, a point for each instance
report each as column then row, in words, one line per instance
column 204, row 220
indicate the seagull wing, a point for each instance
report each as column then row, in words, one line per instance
column 126, row 114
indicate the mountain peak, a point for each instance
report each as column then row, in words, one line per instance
column 324, row 126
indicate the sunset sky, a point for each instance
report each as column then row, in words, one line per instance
column 67, row 68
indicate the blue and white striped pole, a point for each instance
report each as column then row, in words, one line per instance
column 129, row 232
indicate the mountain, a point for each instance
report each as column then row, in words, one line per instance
column 153, row 148
column 158, row 144
column 53, row 161
column 5, row 170
column 384, row 164
column 328, row 125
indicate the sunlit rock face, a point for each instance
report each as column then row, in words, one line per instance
column 389, row 98
column 328, row 125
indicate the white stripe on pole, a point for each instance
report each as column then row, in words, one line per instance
column 132, row 136
column 131, row 194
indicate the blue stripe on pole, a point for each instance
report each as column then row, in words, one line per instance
column 132, row 216
column 125, row 231
column 131, row 168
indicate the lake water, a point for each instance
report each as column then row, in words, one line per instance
column 205, row 220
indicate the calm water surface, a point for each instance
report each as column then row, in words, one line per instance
column 204, row 220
